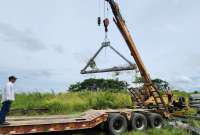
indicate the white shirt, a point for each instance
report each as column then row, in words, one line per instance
column 8, row 92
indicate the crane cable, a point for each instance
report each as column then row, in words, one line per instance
column 99, row 7
column 106, row 23
column 105, row 16
column 106, row 20
column 99, row 13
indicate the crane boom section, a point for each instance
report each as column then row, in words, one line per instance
column 118, row 19
column 150, row 90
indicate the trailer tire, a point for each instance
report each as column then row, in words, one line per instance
column 117, row 124
column 138, row 122
column 156, row 121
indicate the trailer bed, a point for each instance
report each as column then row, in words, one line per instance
column 28, row 125
column 58, row 123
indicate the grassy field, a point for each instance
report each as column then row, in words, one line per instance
column 74, row 103
column 69, row 103
column 168, row 131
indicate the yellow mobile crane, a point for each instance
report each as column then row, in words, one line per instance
column 148, row 96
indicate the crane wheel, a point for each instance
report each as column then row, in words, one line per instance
column 155, row 120
column 117, row 124
column 138, row 122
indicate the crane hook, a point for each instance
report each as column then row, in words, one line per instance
column 106, row 24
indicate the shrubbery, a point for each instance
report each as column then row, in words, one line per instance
column 99, row 84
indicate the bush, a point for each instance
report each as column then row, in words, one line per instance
column 98, row 84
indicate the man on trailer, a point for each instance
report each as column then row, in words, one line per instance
column 8, row 96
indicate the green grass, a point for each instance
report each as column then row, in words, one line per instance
column 168, row 131
column 181, row 93
column 68, row 103
column 74, row 103
column 195, row 123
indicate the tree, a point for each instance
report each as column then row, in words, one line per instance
column 138, row 80
column 196, row 92
column 99, row 84
column 161, row 84
column 75, row 87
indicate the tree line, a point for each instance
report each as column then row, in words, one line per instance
column 111, row 84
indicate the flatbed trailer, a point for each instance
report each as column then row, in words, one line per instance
column 58, row 123
column 116, row 121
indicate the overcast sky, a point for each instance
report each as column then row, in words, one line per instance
column 47, row 42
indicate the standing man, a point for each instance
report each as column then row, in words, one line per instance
column 8, row 95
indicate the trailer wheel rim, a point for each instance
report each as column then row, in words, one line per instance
column 118, row 124
column 158, row 123
column 139, row 124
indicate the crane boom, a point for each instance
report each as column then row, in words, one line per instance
column 129, row 40
column 150, row 89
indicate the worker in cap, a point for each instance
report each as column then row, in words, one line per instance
column 8, row 96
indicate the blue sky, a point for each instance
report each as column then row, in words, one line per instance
column 46, row 43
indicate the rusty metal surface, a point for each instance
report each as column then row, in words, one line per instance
column 57, row 123
column 130, row 66
column 114, row 69
column 25, row 125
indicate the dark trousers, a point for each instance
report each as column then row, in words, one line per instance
column 4, row 111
